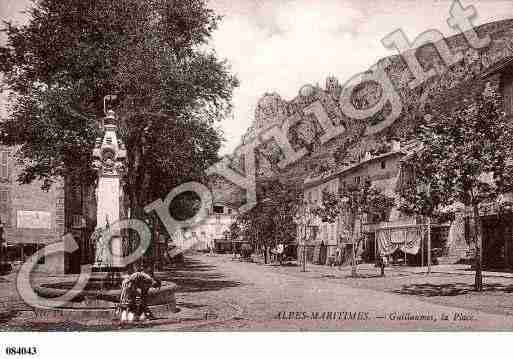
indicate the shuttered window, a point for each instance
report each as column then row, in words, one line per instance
column 4, row 206
column 4, row 165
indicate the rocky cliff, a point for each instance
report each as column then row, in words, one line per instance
column 305, row 131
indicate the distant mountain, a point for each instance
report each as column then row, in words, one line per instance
column 435, row 94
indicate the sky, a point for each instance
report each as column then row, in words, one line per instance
column 281, row 45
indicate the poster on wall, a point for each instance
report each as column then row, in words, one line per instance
column 33, row 219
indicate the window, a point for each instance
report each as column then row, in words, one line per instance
column 219, row 209
column 357, row 179
column 78, row 221
column 41, row 259
column 4, row 206
column 507, row 89
column 4, row 165
column 383, row 164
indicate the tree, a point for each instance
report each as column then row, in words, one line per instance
column 271, row 220
column 152, row 54
column 349, row 206
column 465, row 158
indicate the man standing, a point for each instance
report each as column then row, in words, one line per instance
column 280, row 248
column 338, row 256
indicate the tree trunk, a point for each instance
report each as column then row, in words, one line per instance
column 479, row 249
column 266, row 254
column 354, row 270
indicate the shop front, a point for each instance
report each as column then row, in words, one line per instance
column 409, row 243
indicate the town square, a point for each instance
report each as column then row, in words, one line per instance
column 158, row 172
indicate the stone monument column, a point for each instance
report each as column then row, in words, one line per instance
column 109, row 155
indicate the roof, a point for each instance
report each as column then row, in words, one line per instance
column 329, row 175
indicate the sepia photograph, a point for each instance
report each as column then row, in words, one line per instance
column 255, row 166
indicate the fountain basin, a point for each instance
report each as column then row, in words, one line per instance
column 96, row 301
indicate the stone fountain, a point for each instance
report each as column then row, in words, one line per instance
column 100, row 296
column 109, row 155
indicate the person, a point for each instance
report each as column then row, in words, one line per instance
column 323, row 253
column 382, row 264
column 211, row 247
column 338, row 256
column 140, row 283
column 127, row 299
column 279, row 252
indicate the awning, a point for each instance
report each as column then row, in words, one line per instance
column 405, row 239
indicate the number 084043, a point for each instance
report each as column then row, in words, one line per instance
column 11, row 350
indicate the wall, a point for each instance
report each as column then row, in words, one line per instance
column 212, row 227
column 32, row 218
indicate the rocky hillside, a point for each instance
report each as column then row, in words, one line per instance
column 436, row 93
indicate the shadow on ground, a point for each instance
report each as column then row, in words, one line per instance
column 450, row 289
column 194, row 276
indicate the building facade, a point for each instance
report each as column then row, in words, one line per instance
column 211, row 233
column 450, row 242
column 32, row 218
column 382, row 170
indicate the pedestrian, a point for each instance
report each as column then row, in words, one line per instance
column 211, row 246
column 279, row 252
column 382, row 263
column 338, row 256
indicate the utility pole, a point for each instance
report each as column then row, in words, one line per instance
column 303, row 269
column 479, row 249
column 429, row 244
column 303, row 266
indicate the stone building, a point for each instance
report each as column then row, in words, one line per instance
column 382, row 170
column 451, row 242
column 211, row 232
column 329, row 141
column 32, row 218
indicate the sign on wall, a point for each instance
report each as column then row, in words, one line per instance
column 33, row 219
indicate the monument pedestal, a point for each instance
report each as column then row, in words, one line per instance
column 109, row 154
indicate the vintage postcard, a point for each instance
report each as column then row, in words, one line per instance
column 255, row 165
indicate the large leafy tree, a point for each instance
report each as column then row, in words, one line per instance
column 349, row 205
column 465, row 158
column 271, row 220
column 152, row 54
